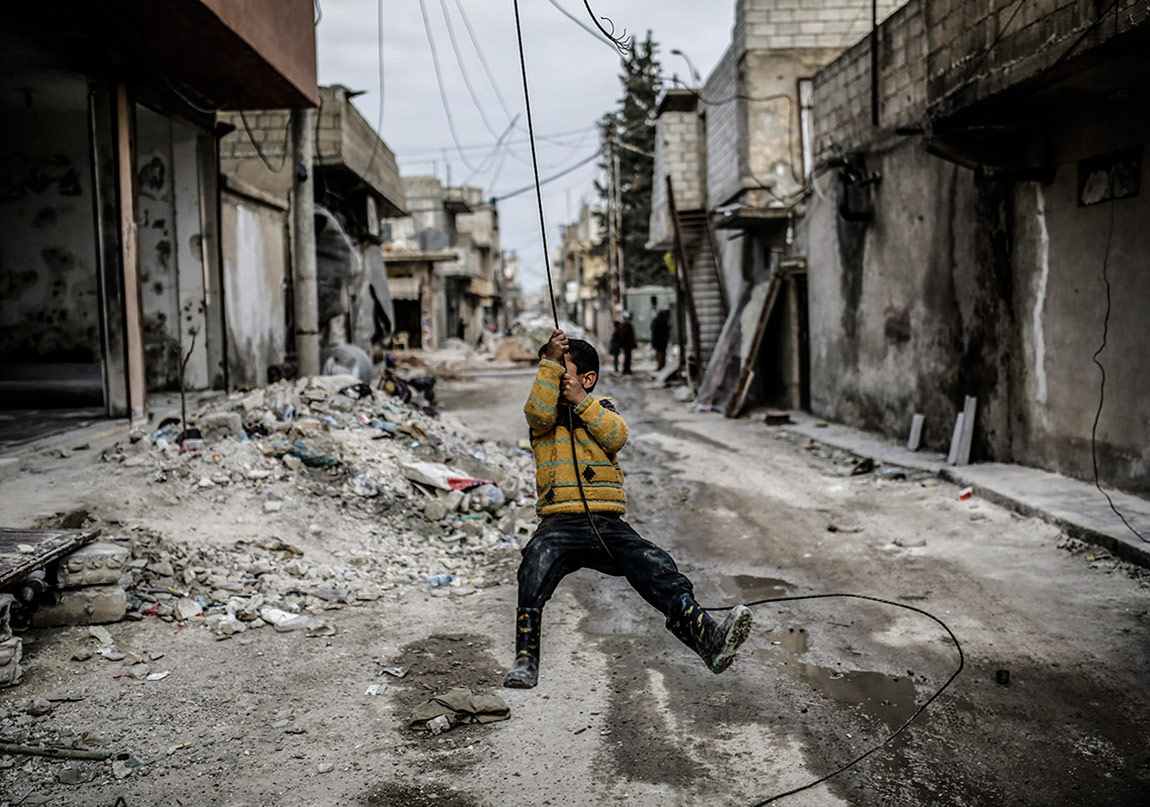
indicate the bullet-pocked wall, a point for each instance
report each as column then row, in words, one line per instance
column 172, row 280
column 49, row 285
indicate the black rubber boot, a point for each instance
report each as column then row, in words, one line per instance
column 715, row 642
column 524, row 673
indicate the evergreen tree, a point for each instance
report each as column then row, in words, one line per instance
column 629, row 133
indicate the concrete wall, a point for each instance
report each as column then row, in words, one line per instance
column 905, row 314
column 724, row 148
column 1061, row 305
column 786, row 24
column 255, row 247
column 978, row 49
column 680, row 153
column 171, row 252
column 842, row 91
column 965, row 285
column 49, row 291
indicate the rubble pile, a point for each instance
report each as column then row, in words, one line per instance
column 379, row 494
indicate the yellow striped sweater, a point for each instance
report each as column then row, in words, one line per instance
column 600, row 433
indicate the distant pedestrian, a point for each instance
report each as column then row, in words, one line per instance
column 660, row 336
column 623, row 342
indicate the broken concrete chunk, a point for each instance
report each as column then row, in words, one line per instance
column 435, row 510
column 38, row 707
column 186, row 608
column 220, row 425
column 98, row 564
column 101, row 635
column 11, row 650
column 6, row 601
column 84, row 606
column 295, row 623
column 274, row 616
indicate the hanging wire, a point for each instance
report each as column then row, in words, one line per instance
column 275, row 169
column 443, row 88
column 581, row 24
column 622, row 42
column 463, row 71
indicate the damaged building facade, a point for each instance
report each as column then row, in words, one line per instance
column 354, row 184
column 445, row 265
column 581, row 263
column 111, row 277
column 731, row 157
column 977, row 227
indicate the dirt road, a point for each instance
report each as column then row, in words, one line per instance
column 623, row 713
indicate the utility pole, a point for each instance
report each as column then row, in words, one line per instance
column 619, row 231
column 612, row 234
column 303, row 244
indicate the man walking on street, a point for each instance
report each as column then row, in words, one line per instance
column 660, row 336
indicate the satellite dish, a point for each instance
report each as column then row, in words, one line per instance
column 432, row 240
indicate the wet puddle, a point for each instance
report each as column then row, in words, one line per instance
column 889, row 698
column 748, row 587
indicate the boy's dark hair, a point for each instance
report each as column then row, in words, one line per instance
column 585, row 357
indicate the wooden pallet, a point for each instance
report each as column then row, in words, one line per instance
column 47, row 545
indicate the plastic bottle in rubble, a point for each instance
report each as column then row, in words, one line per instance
column 438, row 581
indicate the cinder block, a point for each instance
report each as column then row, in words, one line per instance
column 94, row 605
column 11, row 651
column 93, row 565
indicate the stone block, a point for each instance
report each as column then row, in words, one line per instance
column 11, row 650
column 6, row 601
column 93, row 605
column 97, row 564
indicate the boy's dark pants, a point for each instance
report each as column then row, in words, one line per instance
column 565, row 543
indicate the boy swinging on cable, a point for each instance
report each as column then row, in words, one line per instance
column 565, row 540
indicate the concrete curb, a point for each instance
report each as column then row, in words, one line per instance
column 1073, row 506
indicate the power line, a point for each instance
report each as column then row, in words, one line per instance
column 482, row 58
column 464, row 73
column 442, row 88
column 581, row 24
column 556, row 138
column 552, row 178
column 379, row 63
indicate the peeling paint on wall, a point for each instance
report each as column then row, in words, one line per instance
column 1042, row 259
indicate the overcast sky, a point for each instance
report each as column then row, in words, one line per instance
column 573, row 78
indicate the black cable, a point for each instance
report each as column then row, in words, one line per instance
column 907, row 722
column 442, row 88
column 547, row 266
column 622, row 42
column 1101, row 369
column 260, row 151
column 551, row 178
column 595, row 529
column 581, row 24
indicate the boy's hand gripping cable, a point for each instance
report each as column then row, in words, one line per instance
column 591, row 518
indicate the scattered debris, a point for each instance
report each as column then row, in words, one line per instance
column 966, row 493
column 864, row 466
column 458, row 706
